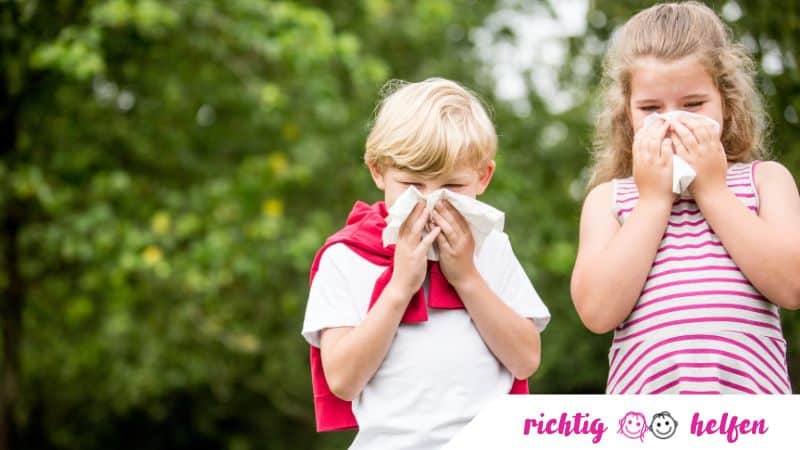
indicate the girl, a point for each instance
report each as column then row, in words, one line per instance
column 691, row 285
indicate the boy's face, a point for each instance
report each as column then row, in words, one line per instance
column 464, row 179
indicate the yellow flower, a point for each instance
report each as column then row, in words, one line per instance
column 272, row 207
column 278, row 163
column 244, row 342
column 271, row 95
column 160, row 223
column 379, row 8
column 152, row 254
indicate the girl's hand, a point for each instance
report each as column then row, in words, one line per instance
column 456, row 244
column 697, row 141
column 652, row 162
column 411, row 251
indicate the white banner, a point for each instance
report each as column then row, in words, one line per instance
column 708, row 422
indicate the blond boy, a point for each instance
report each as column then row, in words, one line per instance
column 406, row 349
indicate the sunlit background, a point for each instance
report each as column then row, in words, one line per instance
column 168, row 169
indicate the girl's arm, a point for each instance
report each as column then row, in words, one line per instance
column 352, row 355
column 613, row 261
column 513, row 339
column 766, row 247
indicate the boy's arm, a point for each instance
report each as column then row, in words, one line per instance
column 613, row 261
column 513, row 339
column 352, row 355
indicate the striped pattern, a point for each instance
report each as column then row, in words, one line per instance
column 699, row 326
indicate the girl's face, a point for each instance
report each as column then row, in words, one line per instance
column 659, row 86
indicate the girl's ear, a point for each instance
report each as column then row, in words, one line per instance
column 377, row 176
column 486, row 176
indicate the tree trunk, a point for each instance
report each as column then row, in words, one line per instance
column 13, row 294
column 13, row 217
column 11, row 323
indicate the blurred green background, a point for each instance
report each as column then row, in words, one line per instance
column 169, row 168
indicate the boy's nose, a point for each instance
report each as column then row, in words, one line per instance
column 425, row 190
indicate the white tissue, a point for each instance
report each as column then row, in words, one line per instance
column 482, row 218
column 682, row 173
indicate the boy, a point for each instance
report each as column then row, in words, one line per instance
column 420, row 347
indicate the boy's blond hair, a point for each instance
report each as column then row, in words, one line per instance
column 669, row 32
column 429, row 128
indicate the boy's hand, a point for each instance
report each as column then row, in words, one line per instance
column 455, row 242
column 411, row 252
column 698, row 142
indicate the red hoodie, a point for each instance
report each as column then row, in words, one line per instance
column 363, row 235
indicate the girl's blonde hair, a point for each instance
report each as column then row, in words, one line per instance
column 430, row 127
column 670, row 32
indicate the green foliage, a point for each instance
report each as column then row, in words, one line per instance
column 177, row 163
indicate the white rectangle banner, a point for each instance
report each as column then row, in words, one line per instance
column 707, row 422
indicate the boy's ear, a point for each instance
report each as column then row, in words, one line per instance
column 486, row 176
column 377, row 177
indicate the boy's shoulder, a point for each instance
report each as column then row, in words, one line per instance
column 338, row 252
column 342, row 266
column 497, row 237
column 497, row 245
column 343, row 257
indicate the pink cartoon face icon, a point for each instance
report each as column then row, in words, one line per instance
column 633, row 425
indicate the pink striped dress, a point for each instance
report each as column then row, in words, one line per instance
column 699, row 326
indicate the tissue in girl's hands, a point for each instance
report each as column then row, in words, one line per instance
column 482, row 218
column 682, row 173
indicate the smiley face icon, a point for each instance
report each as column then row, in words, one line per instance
column 663, row 426
column 633, row 425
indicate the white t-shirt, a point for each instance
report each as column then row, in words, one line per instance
column 437, row 374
